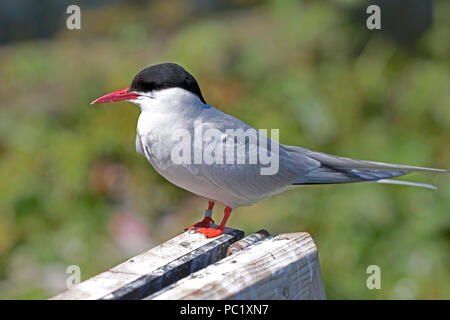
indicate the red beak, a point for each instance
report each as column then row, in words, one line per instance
column 116, row 96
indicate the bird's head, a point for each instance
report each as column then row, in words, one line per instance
column 154, row 83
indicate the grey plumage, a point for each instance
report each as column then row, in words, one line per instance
column 335, row 169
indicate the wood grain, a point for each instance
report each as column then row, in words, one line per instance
column 156, row 268
column 280, row 267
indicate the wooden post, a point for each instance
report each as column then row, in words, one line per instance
column 190, row 266
column 156, row 268
column 281, row 267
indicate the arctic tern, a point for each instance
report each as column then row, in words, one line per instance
column 171, row 101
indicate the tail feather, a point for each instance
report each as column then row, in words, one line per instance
column 327, row 175
column 335, row 169
column 348, row 163
column 407, row 183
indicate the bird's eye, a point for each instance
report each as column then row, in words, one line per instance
column 151, row 86
column 158, row 87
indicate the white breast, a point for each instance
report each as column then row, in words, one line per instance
column 159, row 118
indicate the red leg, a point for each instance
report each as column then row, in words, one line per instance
column 214, row 232
column 207, row 220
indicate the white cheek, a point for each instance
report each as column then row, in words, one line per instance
column 145, row 102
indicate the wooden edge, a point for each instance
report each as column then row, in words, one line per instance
column 281, row 267
column 156, row 268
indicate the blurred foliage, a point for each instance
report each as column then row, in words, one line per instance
column 73, row 190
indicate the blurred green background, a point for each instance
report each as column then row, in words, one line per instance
column 74, row 192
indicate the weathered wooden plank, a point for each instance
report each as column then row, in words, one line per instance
column 279, row 267
column 247, row 241
column 156, row 268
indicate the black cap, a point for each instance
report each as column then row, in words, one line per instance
column 164, row 76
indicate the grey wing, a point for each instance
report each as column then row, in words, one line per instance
column 139, row 148
column 244, row 179
column 247, row 183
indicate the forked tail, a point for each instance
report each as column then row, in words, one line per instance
column 334, row 169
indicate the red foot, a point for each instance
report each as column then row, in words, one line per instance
column 205, row 223
column 210, row 232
